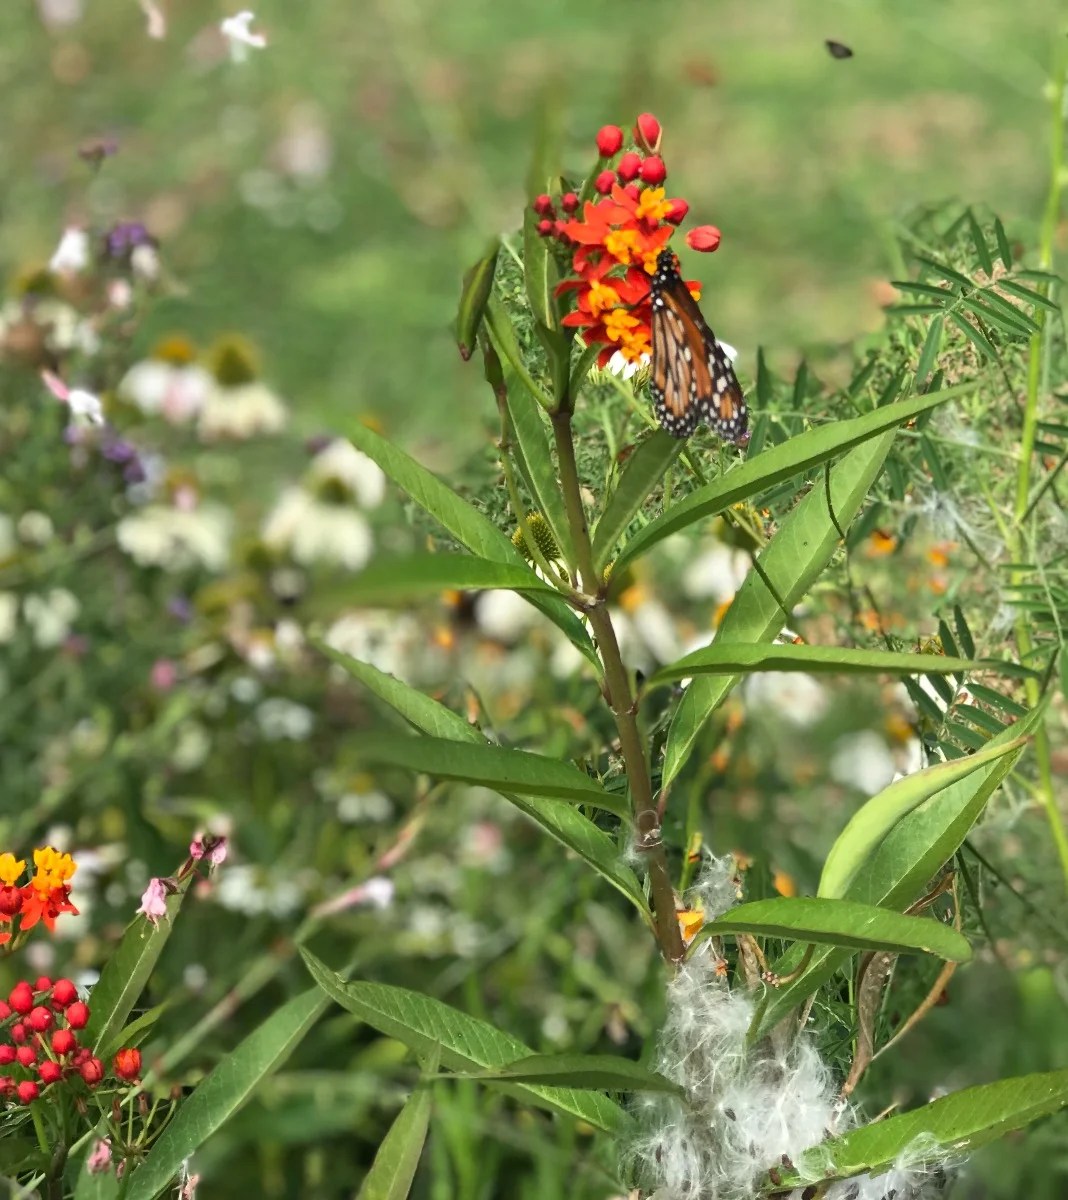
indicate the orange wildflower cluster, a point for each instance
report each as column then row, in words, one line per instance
column 44, row 897
column 616, row 239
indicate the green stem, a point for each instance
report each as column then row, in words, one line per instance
column 620, row 696
column 1025, row 643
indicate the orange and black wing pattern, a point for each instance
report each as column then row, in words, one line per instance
column 692, row 380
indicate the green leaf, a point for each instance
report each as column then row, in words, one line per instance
column 539, row 271
column 643, row 471
column 779, row 463
column 485, row 766
column 560, row 821
column 134, row 1033
column 931, row 346
column 402, row 580
column 504, row 340
column 1011, row 312
column 222, row 1093
column 423, row 1024
column 980, row 341
column 947, row 272
column 979, row 241
column 946, row 1128
column 875, row 819
column 734, row 659
column 793, row 560
column 1004, row 251
column 941, row 294
column 478, row 283
column 1017, row 326
column 535, row 460
column 840, row 923
column 467, row 525
column 397, row 1158
column 126, row 972
column 583, row 362
column 900, row 869
column 598, row 1072
column 1032, row 297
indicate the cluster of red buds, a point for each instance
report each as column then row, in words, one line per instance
column 40, row 1023
column 614, row 240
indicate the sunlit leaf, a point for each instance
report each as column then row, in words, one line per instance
column 402, row 580
column 643, row 471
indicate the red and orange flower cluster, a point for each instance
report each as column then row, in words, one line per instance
column 616, row 241
column 40, row 1022
column 43, row 898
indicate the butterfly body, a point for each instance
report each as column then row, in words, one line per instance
column 692, row 379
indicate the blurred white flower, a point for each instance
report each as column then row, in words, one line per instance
column 55, row 14
column 176, row 540
column 341, row 463
column 85, row 408
column 72, row 253
column 144, row 262
column 281, row 719
column 624, row 367
column 8, row 543
column 35, row 528
column 9, row 615
column 313, row 531
column 239, row 36
column 156, row 22
column 863, row 761
column 175, row 391
column 304, row 150
column 793, row 695
column 386, row 640
column 64, row 327
column 505, row 616
column 242, row 411
column 357, row 807
column 239, row 888
column 717, row 572
column 50, row 615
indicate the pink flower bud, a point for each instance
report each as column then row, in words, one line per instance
column 679, row 209
column 647, row 133
column 704, row 238
column 629, row 166
column 609, row 140
column 605, row 182
column 653, row 170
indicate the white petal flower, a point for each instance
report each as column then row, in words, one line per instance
column 240, row 37
column 619, row 365
column 248, row 410
column 9, row 614
column 50, row 615
column 342, row 463
column 312, row 531
column 862, row 761
column 795, row 696
column 72, row 253
column 85, row 408
column 161, row 536
column 175, row 392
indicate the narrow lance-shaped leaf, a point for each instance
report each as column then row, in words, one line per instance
column 792, row 561
column 222, row 1093
column 486, row 766
column 397, row 1158
column 643, row 471
column 839, row 923
column 402, row 580
column 477, row 285
column 733, row 659
column 423, row 1023
column 504, row 340
column 596, row 1072
column 874, row 820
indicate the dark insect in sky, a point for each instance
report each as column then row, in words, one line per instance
column 838, row 49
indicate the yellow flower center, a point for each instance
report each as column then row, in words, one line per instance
column 622, row 244
column 52, row 869
column 618, row 323
column 652, row 205
column 601, row 297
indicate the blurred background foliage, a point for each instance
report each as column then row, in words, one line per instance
column 323, row 199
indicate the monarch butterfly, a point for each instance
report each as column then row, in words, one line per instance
column 692, row 379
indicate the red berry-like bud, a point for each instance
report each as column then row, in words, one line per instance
column 5, row 1010
column 19, row 1033
column 545, row 227
column 26, row 1056
column 7, row 1085
column 560, row 229
column 127, row 1064
column 653, row 170
column 63, row 993
column 569, row 202
column 7, row 1055
column 21, row 998
column 78, row 1015
column 50, row 1072
column 43, row 983
column 632, row 190
column 63, row 1041
column 81, row 1055
column 27, row 1091
column 605, row 182
column 609, row 140
column 92, row 1071
column 679, row 209
column 10, row 901
column 543, row 206
column 629, row 166
column 705, row 238
column 647, row 133
column 40, row 1019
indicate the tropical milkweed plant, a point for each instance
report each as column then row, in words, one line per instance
column 734, row 1096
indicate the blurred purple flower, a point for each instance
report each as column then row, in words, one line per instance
column 125, row 237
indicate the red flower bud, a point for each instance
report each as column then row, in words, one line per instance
column 653, row 170
column 605, row 182
column 19, row 1033
column 10, row 901
column 81, row 1055
column 632, row 190
column 569, row 202
column 92, row 1071
column 50, row 1072
column 705, row 238
column 543, row 206
column 560, row 229
column 5, row 1010
column 63, row 1041
column 78, row 1015
column 629, row 166
column 647, row 133
column 26, row 1056
column 27, row 1091
column 63, row 993
column 40, row 1019
column 679, row 209
column 127, row 1064
column 7, row 1055
column 21, row 998
column 7, row 1085
column 545, row 227
column 43, row 983
column 609, row 140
